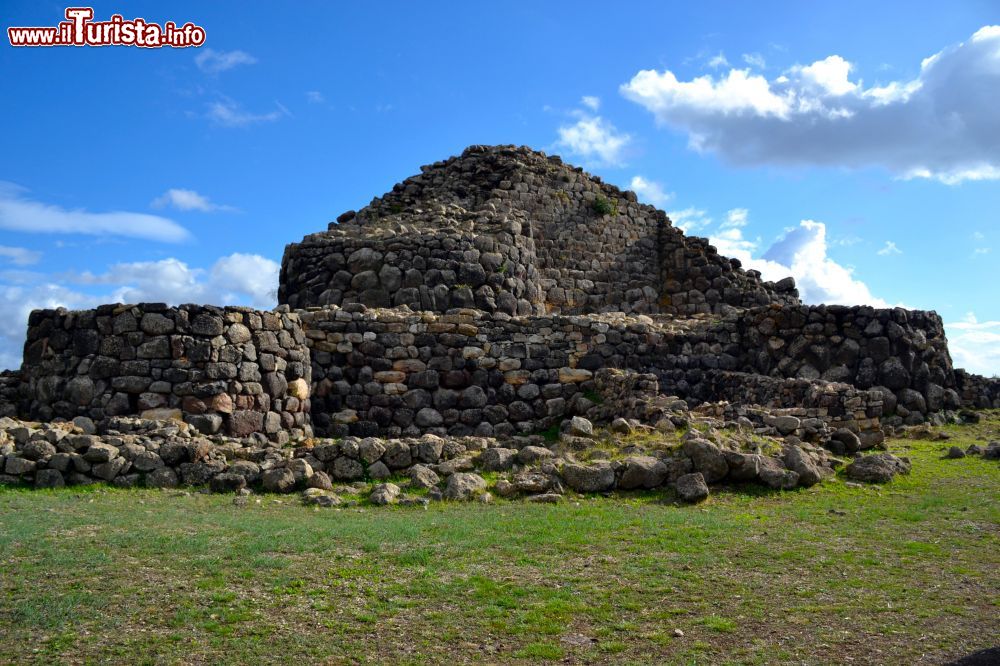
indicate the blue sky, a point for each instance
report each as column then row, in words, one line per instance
column 855, row 146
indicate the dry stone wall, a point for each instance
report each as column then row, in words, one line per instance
column 234, row 370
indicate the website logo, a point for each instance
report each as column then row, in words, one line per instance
column 79, row 29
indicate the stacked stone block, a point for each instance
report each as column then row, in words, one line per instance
column 234, row 370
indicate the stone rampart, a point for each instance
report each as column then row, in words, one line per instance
column 234, row 370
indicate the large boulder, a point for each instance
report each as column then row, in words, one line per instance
column 707, row 459
column 594, row 478
column 497, row 459
column 877, row 468
column 642, row 472
column 692, row 487
column 279, row 480
column 464, row 486
column 742, row 466
column 775, row 475
column 800, row 463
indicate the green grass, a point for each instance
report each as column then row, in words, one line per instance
column 898, row 574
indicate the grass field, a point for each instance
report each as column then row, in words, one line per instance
column 901, row 574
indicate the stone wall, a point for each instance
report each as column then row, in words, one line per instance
column 462, row 263
column 901, row 353
column 402, row 373
column 232, row 369
column 500, row 221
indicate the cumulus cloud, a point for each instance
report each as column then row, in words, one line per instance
column 650, row 191
column 593, row 138
column 755, row 60
column 182, row 199
column 718, row 60
column 19, row 213
column 888, row 249
column 736, row 217
column 243, row 278
column 942, row 124
column 237, row 279
column 228, row 113
column 16, row 303
column 19, row 256
column 801, row 252
column 975, row 345
column 213, row 62
column 689, row 219
column 591, row 102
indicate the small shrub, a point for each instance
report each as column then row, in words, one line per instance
column 602, row 206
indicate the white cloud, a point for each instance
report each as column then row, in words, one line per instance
column 802, row 253
column 718, row 60
column 975, row 345
column 315, row 97
column 593, row 137
column 244, row 278
column 237, row 279
column 736, row 217
column 591, row 102
column 650, row 191
column 17, row 302
column 982, row 250
column 230, row 114
column 213, row 62
column 942, row 124
column 182, row 199
column 689, row 219
column 18, row 213
column 888, row 249
column 19, row 256
column 755, row 60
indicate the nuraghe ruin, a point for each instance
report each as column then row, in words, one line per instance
column 482, row 314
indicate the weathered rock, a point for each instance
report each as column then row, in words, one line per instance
column 742, row 466
column 707, row 459
column 348, row 469
column 692, row 487
column 580, row 427
column 384, row 493
column 379, row 470
column 227, row 482
column 16, row 465
column 955, row 452
column 531, row 482
column 775, row 475
column 594, row 478
column 37, row 450
column 797, row 461
column 100, row 453
column 849, row 442
column 877, row 468
column 320, row 480
column 49, row 478
column 497, row 459
column 464, row 486
column 422, row 476
column 532, row 454
column 278, row 480
column 320, row 497
column 164, row 477
column 642, row 472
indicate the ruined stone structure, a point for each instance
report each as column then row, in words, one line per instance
column 488, row 296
